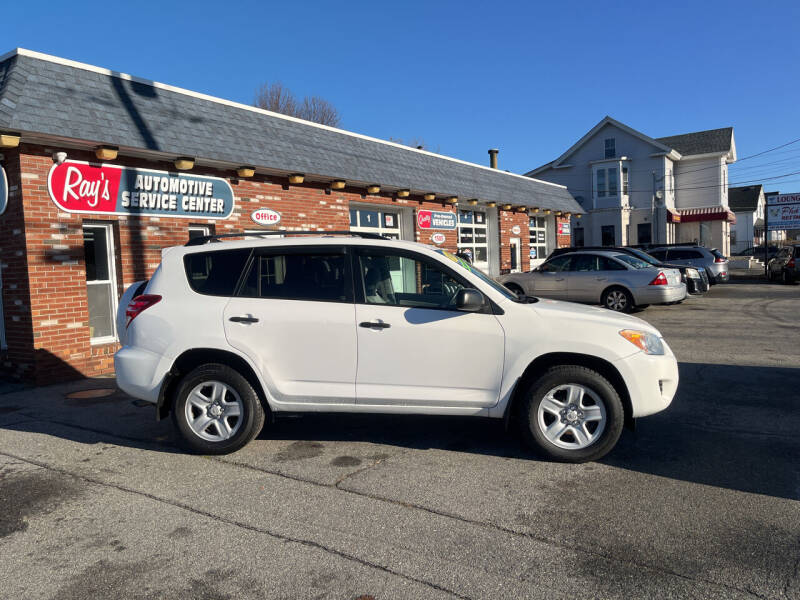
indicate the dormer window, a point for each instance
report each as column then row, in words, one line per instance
column 611, row 148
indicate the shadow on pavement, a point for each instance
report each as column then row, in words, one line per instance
column 730, row 426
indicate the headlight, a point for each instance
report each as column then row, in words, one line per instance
column 649, row 343
column 692, row 273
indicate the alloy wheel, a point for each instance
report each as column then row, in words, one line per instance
column 571, row 416
column 214, row 411
column 616, row 300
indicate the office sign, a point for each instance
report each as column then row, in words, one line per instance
column 266, row 216
column 81, row 187
column 515, row 230
column 431, row 219
column 3, row 191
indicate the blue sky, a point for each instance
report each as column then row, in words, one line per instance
column 464, row 76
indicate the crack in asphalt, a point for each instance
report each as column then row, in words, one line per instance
column 246, row 526
column 407, row 505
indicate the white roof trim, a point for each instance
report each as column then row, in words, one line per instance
column 170, row 88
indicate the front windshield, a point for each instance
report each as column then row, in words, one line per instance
column 644, row 256
column 483, row 276
column 636, row 263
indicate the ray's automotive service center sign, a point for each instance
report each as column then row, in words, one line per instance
column 81, row 187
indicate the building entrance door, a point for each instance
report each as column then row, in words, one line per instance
column 515, row 255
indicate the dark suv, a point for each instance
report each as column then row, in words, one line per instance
column 696, row 280
column 784, row 265
column 700, row 257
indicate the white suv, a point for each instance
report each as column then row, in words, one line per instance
column 225, row 333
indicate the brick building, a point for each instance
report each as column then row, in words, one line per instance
column 103, row 170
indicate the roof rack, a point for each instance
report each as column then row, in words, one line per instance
column 658, row 245
column 204, row 239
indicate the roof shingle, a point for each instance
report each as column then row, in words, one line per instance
column 744, row 199
column 700, row 142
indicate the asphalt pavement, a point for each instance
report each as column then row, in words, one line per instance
column 700, row 501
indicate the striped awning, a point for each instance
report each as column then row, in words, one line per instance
column 707, row 213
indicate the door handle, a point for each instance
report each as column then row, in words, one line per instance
column 243, row 319
column 370, row 325
column 601, row 278
column 559, row 279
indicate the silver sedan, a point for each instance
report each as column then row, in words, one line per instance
column 618, row 281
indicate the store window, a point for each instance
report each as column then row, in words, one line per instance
column 537, row 228
column 101, row 284
column 607, row 235
column 473, row 237
column 644, row 233
column 376, row 220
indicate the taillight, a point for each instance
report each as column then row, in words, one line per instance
column 660, row 279
column 139, row 304
column 719, row 259
column 790, row 264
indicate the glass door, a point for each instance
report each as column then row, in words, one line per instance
column 515, row 255
column 473, row 237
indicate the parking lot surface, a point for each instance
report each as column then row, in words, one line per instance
column 701, row 501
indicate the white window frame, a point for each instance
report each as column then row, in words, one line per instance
column 484, row 265
column 381, row 229
column 112, row 282
column 533, row 234
column 614, row 147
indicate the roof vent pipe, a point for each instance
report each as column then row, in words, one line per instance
column 493, row 157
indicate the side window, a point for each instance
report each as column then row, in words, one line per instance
column 557, row 264
column 215, row 273
column 316, row 276
column 584, row 262
column 399, row 280
column 659, row 254
column 608, row 264
column 101, row 282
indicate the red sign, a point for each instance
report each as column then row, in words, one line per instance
column 81, row 187
column 428, row 219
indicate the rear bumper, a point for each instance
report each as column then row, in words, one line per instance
column 652, row 381
column 140, row 372
column 659, row 294
column 722, row 276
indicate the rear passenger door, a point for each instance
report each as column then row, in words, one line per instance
column 550, row 279
column 583, row 279
column 293, row 315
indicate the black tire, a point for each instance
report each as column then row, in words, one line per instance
column 612, row 300
column 571, row 374
column 516, row 289
column 246, row 426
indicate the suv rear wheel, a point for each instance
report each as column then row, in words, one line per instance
column 572, row 414
column 216, row 410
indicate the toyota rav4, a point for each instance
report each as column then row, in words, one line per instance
column 225, row 335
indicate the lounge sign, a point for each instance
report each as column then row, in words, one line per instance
column 81, row 187
column 430, row 219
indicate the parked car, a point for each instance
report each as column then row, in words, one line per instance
column 784, row 265
column 617, row 280
column 224, row 335
column 710, row 259
column 696, row 280
column 757, row 252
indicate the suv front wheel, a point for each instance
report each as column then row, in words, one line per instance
column 216, row 410
column 572, row 414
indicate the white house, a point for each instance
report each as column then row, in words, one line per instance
column 748, row 204
column 639, row 190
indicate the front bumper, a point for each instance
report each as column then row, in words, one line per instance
column 660, row 294
column 652, row 380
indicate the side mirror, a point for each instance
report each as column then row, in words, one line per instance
column 469, row 300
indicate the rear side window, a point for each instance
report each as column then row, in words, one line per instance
column 659, row 254
column 316, row 276
column 680, row 254
column 215, row 273
column 607, row 264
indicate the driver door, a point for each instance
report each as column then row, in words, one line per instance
column 414, row 347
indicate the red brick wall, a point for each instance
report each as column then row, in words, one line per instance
column 563, row 240
column 52, row 339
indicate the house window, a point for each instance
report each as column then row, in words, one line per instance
column 537, row 228
column 612, row 182
column 473, row 237
column 101, row 284
column 644, row 233
column 607, row 235
column 611, row 148
column 625, row 181
column 601, row 183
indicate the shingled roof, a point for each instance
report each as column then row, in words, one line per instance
column 744, row 199
column 48, row 96
column 701, row 142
